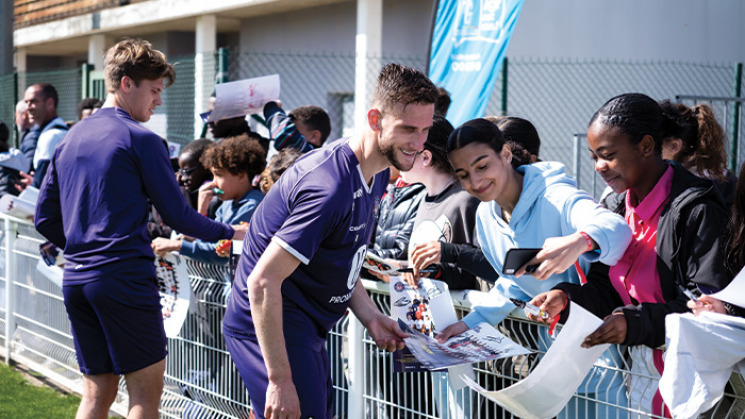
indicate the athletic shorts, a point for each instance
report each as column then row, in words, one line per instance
column 117, row 324
column 310, row 367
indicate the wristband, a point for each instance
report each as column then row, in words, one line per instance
column 588, row 239
column 555, row 321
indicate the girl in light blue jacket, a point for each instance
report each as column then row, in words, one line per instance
column 529, row 206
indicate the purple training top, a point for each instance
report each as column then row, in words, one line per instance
column 321, row 211
column 93, row 202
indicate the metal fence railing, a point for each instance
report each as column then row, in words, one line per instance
column 201, row 381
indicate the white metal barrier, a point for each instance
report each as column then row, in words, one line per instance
column 201, row 381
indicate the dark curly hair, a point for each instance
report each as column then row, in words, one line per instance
column 237, row 155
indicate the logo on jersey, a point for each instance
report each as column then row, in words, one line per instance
column 358, row 228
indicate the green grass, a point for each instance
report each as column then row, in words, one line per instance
column 20, row 399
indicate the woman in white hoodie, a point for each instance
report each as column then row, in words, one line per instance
column 530, row 206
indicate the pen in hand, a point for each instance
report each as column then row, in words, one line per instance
column 530, row 308
column 411, row 270
column 689, row 294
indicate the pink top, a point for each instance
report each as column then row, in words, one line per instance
column 635, row 275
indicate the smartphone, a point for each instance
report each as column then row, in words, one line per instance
column 516, row 258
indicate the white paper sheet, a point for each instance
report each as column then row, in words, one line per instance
column 244, row 97
column 545, row 392
column 702, row 352
column 734, row 293
column 175, row 291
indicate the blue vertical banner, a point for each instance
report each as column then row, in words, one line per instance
column 469, row 40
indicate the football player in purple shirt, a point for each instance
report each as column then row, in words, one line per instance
column 93, row 204
column 306, row 243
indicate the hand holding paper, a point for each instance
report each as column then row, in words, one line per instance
column 557, row 376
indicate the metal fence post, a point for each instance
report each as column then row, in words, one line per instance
column 15, row 98
column 223, row 60
column 503, row 97
column 10, row 266
column 575, row 145
column 85, row 77
column 356, row 401
column 735, row 119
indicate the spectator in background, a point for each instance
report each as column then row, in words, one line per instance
column 88, row 107
column 28, row 133
column 42, row 101
column 520, row 131
column 305, row 128
column 192, row 174
column 12, row 163
column 443, row 102
column 446, row 215
column 234, row 162
column 4, row 134
column 697, row 141
column 232, row 127
column 396, row 215
column 277, row 165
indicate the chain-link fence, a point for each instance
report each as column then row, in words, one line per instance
column 558, row 96
column 68, row 83
column 325, row 79
column 7, row 103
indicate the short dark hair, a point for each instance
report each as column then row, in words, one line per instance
column 314, row 117
column 197, row 147
column 88, row 103
column 398, row 84
column 237, row 155
column 443, row 102
column 48, row 91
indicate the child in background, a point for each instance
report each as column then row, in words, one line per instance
column 191, row 173
column 234, row 162
column 735, row 255
column 697, row 142
column 277, row 165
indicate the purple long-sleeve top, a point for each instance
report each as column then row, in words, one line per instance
column 93, row 201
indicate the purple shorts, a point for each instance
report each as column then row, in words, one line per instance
column 310, row 373
column 117, row 324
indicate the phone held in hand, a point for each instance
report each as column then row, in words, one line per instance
column 516, row 258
